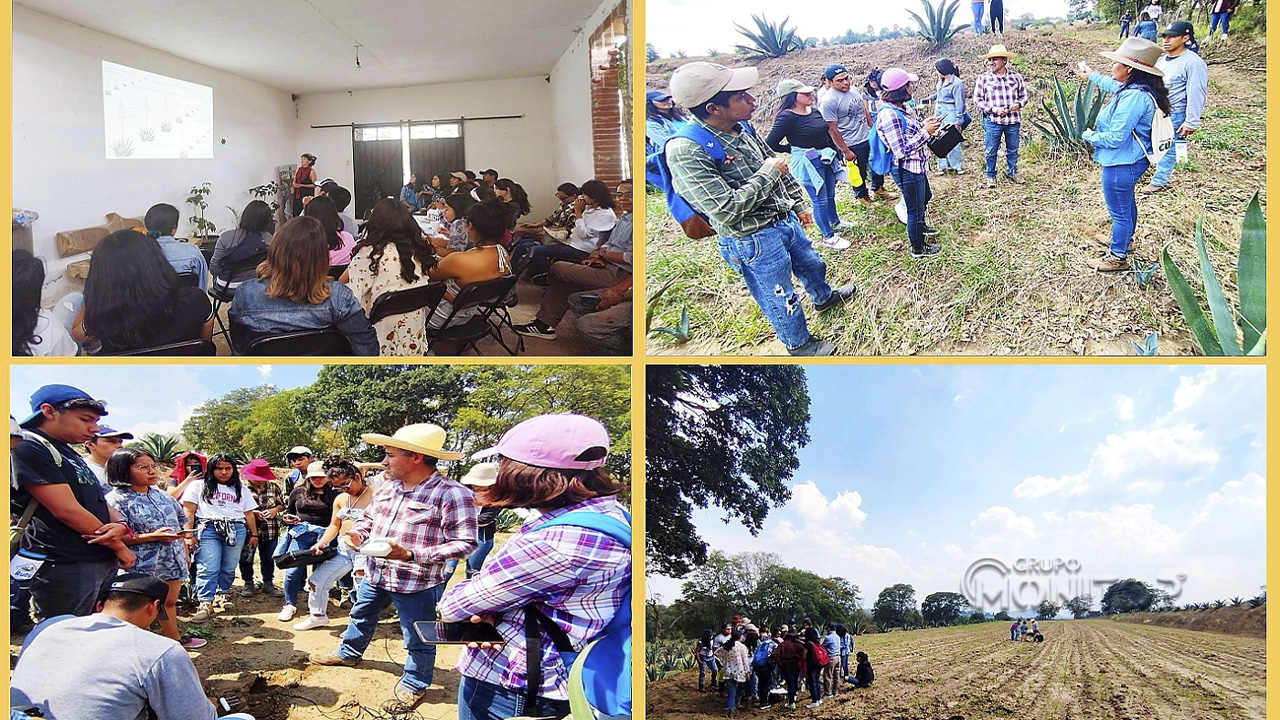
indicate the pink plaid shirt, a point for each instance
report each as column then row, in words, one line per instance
column 436, row 521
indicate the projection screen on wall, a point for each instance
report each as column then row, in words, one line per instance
column 152, row 116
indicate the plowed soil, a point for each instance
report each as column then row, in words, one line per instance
column 1085, row 670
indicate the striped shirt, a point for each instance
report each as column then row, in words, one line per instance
column 742, row 195
column 435, row 520
column 577, row 576
column 903, row 136
column 992, row 91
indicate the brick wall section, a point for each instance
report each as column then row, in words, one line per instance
column 607, row 126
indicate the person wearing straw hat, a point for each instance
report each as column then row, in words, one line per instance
column 1121, row 137
column 425, row 519
column 1000, row 95
column 560, row 568
column 1186, row 77
column 751, row 200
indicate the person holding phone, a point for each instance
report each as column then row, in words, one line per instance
column 575, row 576
column 220, row 510
column 307, row 512
column 154, row 518
column 348, row 507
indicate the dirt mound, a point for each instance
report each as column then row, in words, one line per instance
column 1243, row 620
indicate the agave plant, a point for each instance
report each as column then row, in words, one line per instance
column 772, row 40
column 1219, row 604
column 936, row 24
column 1237, row 601
column 1232, row 332
column 665, row 657
column 1069, row 118
column 680, row 332
column 161, row 447
column 1258, row 601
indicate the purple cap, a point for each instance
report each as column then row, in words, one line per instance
column 553, row 441
column 895, row 78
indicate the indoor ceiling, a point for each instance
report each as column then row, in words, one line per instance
column 310, row 46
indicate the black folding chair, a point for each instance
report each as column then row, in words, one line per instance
column 222, row 292
column 190, row 348
column 191, row 279
column 335, row 271
column 308, row 343
column 489, row 296
column 398, row 302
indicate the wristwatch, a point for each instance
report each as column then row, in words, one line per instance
column 411, row 557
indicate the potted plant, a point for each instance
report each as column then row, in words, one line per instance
column 201, row 227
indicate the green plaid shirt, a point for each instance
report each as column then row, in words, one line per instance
column 271, row 495
column 742, row 195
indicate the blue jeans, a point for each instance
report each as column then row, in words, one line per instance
column 419, row 666
column 993, row 133
column 1214, row 20
column 323, row 577
column 216, row 561
column 479, row 700
column 1118, row 183
column 707, row 665
column 731, row 702
column 949, row 115
column 917, row 194
column 844, row 664
column 791, row 676
column 541, row 257
column 824, row 199
column 767, row 260
column 813, row 679
column 977, row 17
column 476, row 559
column 1164, row 168
column 1124, row 30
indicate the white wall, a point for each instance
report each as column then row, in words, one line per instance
column 520, row 149
column 571, row 103
column 60, row 168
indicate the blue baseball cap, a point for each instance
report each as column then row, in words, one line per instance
column 106, row 432
column 62, row 397
column 833, row 70
column 656, row 95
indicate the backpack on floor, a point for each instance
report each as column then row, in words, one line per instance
column 695, row 224
column 600, row 674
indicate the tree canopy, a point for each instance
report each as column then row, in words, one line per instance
column 895, row 606
column 944, row 608
column 1080, row 605
column 717, row 435
column 1048, row 610
column 1126, row 596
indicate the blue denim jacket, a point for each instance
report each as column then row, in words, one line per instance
column 185, row 258
column 264, row 316
column 1129, row 110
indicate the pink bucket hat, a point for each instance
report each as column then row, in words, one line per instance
column 258, row 469
column 894, row 78
column 553, row 441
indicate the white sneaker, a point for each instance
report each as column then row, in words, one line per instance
column 835, row 243
column 204, row 613
column 312, row 622
column 286, row 613
column 814, row 704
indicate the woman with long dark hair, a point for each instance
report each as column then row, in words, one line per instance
column 154, row 518
column 907, row 138
column 1121, row 137
column 454, row 211
column 812, row 669
column 293, row 292
column 569, row 562
column 248, row 239
column 390, row 257
column 487, row 260
column 951, row 108
column 514, row 198
column 220, row 510
column 340, row 242
column 816, row 162
column 593, row 216
column 735, row 658
column 134, row 299
column 304, row 182
column 704, row 655
column 36, row 332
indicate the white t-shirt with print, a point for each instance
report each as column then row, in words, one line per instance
column 223, row 504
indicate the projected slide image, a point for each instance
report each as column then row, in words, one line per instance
column 152, row 116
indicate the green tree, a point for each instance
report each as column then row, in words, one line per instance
column 650, row 53
column 722, row 435
column 895, row 606
column 977, row 617
column 783, row 593
column 1004, row 616
column 219, row 425
column 1126, row 596
column 1048, row 610
column 715, row 591
column 1080, row 605
column 274, row 425
column 943, row 608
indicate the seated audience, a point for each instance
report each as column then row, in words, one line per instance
column 236, row 246
column 134, row 299
column 593, row 216
column 162, row 222
column 392, row 256
column 556, row 226
column 488, row 178
column 486, row 261
column 438, row 188
column 604, row 317
column 455, row 209
column 514, row 199
column 605, row 266
column 293, row 292
column 36, row 332
column 413, row 199
column 341, row 198
column 340, row 242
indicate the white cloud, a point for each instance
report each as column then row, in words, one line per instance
column 1146, row 461
column 1000, row 529
column 1039, row 485
column 1116, row 533
column 1124, row 407
column 816, row 513
column 1192, row 388
column 264, row 371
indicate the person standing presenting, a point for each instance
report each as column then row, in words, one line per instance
column 751, row 200
column 1186, row 77
column 1000, row 94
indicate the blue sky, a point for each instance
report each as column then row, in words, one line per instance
column 151, row 398
column 915, row 473
column 697, row 25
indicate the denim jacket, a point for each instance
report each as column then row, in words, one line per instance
column 264, row 316
column 1130, row 110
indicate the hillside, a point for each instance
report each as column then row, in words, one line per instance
column 1012, row 278
column 1251, row 622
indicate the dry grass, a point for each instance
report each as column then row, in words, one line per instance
column 1012, row 278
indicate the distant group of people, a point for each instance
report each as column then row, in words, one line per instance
column 321, row 271
column 746, row 664
column 91, row 655
column 834, row 135
column 1023, row 631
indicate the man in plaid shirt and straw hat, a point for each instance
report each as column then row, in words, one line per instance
column 1000, row 95
column 428, row 519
